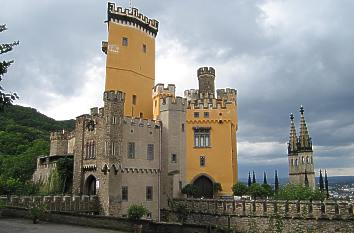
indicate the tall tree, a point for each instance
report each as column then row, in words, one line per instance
column 321, row 181
column 6, row 98
column 265, row 178
column 254, row 178
column 326, row 185
column 276, row 182
column 306, row 180
column 249, row 179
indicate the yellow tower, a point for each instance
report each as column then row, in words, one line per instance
column 130, row 65
column 211, row 125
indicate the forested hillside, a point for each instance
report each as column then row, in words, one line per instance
column 24, row 135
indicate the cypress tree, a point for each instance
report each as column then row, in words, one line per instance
column 265, row 178
column 249, row 179
column 276, row 182
column 254, row 178
column 306, row 180
column 326, row 184
column 321, row 181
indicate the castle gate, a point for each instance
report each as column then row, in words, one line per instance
column 204, row 186
column 90, row 185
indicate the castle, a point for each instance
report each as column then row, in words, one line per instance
column 146, row 143
column 300, row 154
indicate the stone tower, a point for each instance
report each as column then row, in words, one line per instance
column 211, row 126
column 300, row 153
column 130, row 64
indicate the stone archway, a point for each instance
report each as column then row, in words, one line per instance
column 90, row 185
column 204, row 187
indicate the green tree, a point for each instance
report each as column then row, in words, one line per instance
column 321, row 181
column 267, row 189
column 65, row 168
column 276, row 183
column 256, row 191
column 239, row 189
column 6, row 98
column 190, row 190
column 136, row 212
column 217, row 188
column 297, row 192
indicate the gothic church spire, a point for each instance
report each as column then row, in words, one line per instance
column 305, row 143
column 292, row 145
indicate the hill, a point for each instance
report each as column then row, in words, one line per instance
column 24, row 135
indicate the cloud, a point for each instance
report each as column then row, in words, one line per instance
column 277, row 54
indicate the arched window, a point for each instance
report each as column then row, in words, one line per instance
column 296, row 162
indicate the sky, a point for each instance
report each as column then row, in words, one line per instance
column 278, row 54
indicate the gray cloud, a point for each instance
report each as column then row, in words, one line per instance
column 277, row 54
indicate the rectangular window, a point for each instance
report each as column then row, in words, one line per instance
column 131, row 150
column 202, row 161
column 196, row 114
column 114, row 120
column 206, row 114
column 106, row 146
column 134, row 100
column 144, row 48
column 125, row 193
column 149, row 193
column 173, row 158
column 113, row 149
column 150, row 152
column 202, row 137
column 182, row 127
column 125, row 41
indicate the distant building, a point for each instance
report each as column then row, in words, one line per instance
column 300, row 154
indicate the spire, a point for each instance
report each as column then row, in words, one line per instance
column 305, row 142
column 292, row 145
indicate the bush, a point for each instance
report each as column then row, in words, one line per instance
column 136, row 212
column 190, row 190
column 297, row 192
column 239, row 189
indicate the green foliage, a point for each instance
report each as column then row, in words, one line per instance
column 190, row 190
column 260, row 191
column 136, row 212
column 239, row 189
column 217, row 187
column 65, row 168
column 180, row 209
column 6, row 98
column 24, row 135
column 297, row 192
column 37, row 211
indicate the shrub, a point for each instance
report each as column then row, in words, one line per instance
column 136, row 212
column 239, row 189
column 190, row 190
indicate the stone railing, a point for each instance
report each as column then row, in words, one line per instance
column 263, row 208
column 83, row 204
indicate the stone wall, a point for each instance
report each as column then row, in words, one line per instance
column 263, row 215
column 87, row 204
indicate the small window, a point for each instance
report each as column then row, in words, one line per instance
column 113, row 149
column 206, row 114
column 150, row 152
column 180, row 185
column 149, row 193
column 202, row 161
column 202, row 137
column 141, row 115
column 144, row 48
column 114, row 120
column 134, row 99
column 182, row 127
column 125, row 193
column 173, row 158
column 196, row 114
column 106, row 147
column 148, row 216
column 131, row 150
column 125, row 41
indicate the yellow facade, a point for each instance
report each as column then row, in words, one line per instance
column 130, row 65
column 221, row 156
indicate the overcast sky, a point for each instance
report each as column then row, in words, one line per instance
column 277, row 54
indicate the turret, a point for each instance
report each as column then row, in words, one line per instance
column 206, row 78
column 305, row 143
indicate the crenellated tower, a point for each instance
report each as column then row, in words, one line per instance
column 130, row 64
column 300, row 153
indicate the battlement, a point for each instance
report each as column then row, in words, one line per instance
column 227, row 94
column 208, row 104
column 291, row 209
column 191, row 94
column 160, row 89
column 132, row 17
column 141, row 122
column 173, row 103
column 54, row 203
column 60, row 135
column 206, row 71
column 116, row 96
